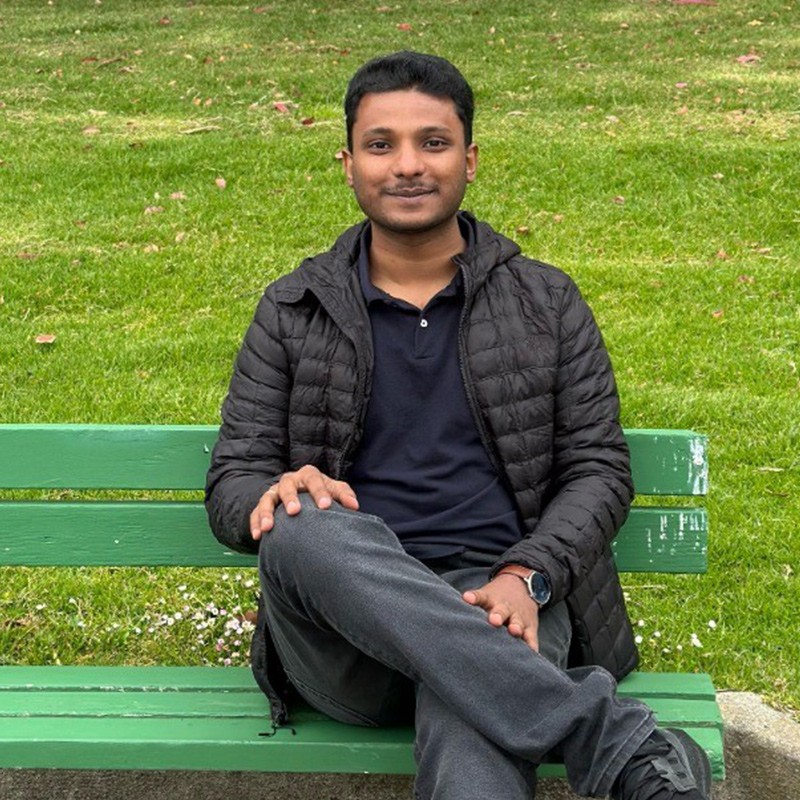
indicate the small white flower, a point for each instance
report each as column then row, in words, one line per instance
column 679, row 648
column 695, row 641
column 248, row 584
column 640, row 623
column 712, row 623
column 225, row 576
column 638, row 639
column 41, row 606
column 182, row 587
column 137, row 631
column 178, row 615
column 656, row 634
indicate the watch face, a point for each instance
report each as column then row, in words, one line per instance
column 540, row 588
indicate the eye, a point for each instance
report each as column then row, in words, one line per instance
column 435, row 144
column 378, row 146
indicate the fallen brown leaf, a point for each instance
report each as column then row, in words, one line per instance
column 45, row 338
column 404, row 26
column 221, row 183
column 749, row 60
column 281, row 108
column 718, row 314
column 154, row 210
column 619, row 200
column 90, row 130
column 308, row 121
column 177, row 196
column 165, row 21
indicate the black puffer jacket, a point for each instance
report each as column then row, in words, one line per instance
column 543, row 395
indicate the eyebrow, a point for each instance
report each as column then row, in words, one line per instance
column 385, row 131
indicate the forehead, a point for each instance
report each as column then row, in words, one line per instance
column 403, row 109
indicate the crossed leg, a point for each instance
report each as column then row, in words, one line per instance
column 359, row 624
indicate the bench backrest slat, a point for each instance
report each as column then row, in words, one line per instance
column 130, row 531
column 177, row 534
column 177, row 457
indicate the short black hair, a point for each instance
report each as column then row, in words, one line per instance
column 409, row 70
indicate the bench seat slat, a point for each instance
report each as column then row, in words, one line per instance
column 68, row 706
column 212, row 718
column 172, row 534
column 233, row 679
column 220, row 744
column 664, row 462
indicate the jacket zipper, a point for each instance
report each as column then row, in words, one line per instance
column 467, row 378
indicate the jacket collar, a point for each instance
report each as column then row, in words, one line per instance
column 334, row 273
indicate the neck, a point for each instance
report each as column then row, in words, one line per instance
column 414, row 267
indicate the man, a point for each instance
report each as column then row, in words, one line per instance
column 421, row 438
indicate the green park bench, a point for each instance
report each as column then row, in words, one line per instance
column 212, row 718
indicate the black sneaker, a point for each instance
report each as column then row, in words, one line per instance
column 668, row 765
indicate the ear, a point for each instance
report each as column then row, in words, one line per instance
column 347, row 165
column 472, row 162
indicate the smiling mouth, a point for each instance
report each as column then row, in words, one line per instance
column 410, row 193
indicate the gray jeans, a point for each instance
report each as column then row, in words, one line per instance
column 372, row 636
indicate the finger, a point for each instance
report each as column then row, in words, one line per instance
column 474, row 597
column 516, row 626
column 312, row 480
column 343, row 493
column 531, row 638
column 262, row 518
column 287, row 489
column 499, row 614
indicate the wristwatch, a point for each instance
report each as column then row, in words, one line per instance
column 537, row 582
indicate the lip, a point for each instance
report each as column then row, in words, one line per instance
column 409, row 194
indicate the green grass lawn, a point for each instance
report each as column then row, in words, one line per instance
column 150, row 188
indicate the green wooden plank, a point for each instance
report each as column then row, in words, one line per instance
column 224, row 745
column 663, row 540
column 177, row 456
column 218, row 744
column 239, row 705
column 173, row 736
column 126, row 678
column 646, row 685
column 161, row 533
column 668, row 462
column 133, row 704
column 106, row 456
column 111, row 534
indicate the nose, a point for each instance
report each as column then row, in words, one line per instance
column 407, row 161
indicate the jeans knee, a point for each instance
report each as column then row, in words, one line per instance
column 312, row 534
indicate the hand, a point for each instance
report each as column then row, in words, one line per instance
column 323, row 490
column 507, row 602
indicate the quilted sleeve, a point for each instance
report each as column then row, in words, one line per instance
column 253, row 442
column 590, row 489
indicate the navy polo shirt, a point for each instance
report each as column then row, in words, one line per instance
column 421, row 465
